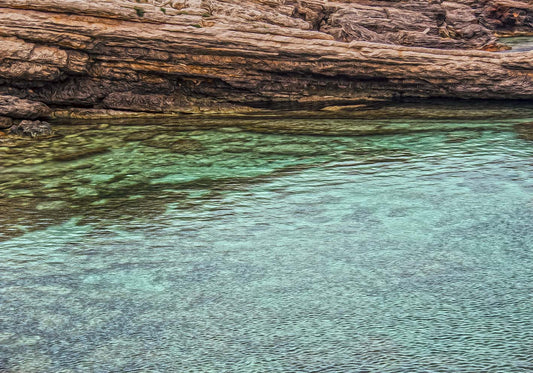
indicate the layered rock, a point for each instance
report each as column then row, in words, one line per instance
column 219, row 55
column 18, row 108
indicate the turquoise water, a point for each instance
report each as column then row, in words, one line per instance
column 341, row 245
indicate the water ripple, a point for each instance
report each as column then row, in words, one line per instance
column 240, row 251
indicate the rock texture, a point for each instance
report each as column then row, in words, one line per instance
column 32, row 128
column 508, row 17
column 231, row 55
column 18, row 108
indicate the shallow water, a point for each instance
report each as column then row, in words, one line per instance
column 342, row 245
column 519, row 43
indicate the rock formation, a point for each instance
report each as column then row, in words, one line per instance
column 168, row 56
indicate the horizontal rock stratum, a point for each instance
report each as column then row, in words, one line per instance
column 230, row 55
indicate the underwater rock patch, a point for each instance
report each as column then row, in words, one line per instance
column 31, row 128
column 175, row 146
column 66, row 157
column 139, row 136
column 186, row 146
column 524, row 130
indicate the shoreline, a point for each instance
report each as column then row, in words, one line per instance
column 515, row 112
column 430, row 109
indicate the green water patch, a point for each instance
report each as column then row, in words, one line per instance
column 518, row 43
column 106, row 170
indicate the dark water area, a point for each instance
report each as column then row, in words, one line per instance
column 394, row 240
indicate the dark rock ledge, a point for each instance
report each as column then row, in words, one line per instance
column 194, row 56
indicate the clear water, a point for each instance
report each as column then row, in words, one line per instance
column 346, row 245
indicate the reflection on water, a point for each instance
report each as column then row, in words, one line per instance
column 356, row 245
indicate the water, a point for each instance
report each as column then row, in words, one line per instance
column 519, row 43
column 342, row 245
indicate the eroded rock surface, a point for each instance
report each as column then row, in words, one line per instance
column 231, row 55
column 15, row 107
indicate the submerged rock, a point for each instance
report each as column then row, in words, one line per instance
column 139, row 136
column 84, row 153
column 525, row 130
column 183, row 146
column 32, row 128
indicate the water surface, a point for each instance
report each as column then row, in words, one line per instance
column 519, row 43
column 387, row 244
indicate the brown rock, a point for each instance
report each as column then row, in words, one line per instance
column 254, row 53
column 25, row 109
